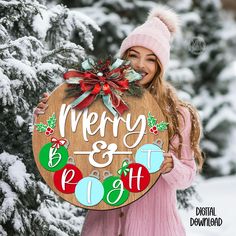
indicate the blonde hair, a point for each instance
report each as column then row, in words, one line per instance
column 170, row 104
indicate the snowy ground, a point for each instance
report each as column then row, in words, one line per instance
column 221, row 194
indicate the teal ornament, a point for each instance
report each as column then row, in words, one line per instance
column 89, row 191
column 151, row 156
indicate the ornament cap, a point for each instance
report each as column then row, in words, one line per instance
column 106, row 174
column 71, row 160
column 95, row 174
column 158, row 142
column 128, row 160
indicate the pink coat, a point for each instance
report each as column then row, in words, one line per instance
column 155, row 214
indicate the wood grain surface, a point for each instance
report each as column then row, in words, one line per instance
column 137, row 106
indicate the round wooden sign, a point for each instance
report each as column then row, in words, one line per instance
column 96, row 160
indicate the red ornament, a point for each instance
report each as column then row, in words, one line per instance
column 65, row 180
column 137, row 178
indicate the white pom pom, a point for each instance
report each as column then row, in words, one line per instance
column 167, row 16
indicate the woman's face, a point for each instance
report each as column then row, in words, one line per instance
column 143, row 61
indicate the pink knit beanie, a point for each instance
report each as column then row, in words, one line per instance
column 155, row 34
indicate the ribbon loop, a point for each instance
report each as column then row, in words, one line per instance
column 57, row 142
column 124, row 168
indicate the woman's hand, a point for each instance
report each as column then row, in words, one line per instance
column 167, row 164
column 42, row 106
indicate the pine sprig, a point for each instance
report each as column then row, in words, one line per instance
column 41, row 127
column 73, row 91
column 151, row 120
column 134, row 90
column 52, row 121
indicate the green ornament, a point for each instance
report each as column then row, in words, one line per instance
column 53, row 159
column 114, row 192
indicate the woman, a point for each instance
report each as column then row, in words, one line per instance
column 155, row 214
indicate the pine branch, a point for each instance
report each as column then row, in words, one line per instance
column 72, row 91
column 63, row 49
column 135, row 90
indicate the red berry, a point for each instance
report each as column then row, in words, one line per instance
column 151, row 130
column 47, row 133
column 154, row 128
column 155, row 132
column 48, row 129
column 51, row 131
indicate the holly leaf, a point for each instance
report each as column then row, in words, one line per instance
column 52, row 121
column 151, row 120
column 41, row 127
column 162, row 126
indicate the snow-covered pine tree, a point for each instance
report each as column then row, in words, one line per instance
column 116, row 18
column 36, row 47
column 200, row 56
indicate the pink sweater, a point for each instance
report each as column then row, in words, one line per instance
column 155, row 214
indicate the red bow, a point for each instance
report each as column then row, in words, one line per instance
column 98, row 83
column 57, row 142
column 113, row 80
